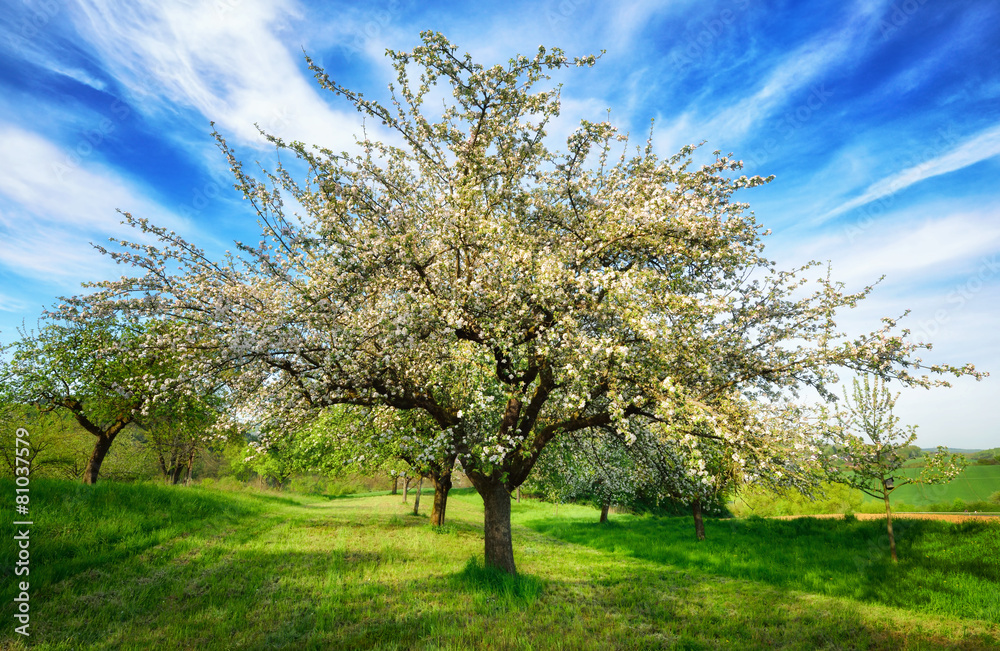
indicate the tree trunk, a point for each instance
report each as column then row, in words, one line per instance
column 175, row 475
column 190, row 465
column 604, row 511
column 101, row 448
column 442, row 485
column 888, row 521
column 518, row 494
column 496, row 530
column 699, row 524
column 406, row 488
column 395, row 485
column 416, row 500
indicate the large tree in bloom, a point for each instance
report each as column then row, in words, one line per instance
column 509, row 291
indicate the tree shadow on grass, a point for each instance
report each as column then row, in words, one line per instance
column 824, row 556
column 353, row 598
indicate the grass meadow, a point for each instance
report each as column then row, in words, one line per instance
column 118, row 566
column 975, row 484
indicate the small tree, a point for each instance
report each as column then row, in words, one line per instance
column 590, row 464
column 405, row 444
column 873, row 448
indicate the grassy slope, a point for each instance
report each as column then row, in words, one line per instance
column 157, row 567
column 977, row 483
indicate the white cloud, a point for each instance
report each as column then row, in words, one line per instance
column 796, row 77
column 982, row 146
column 225, row 59
column 904, row 247
column 630, row 18
column 52, row 205
column 79, row 75
column 11, row 304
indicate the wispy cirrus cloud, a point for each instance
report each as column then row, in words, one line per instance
column 982, row 146
column 909, row 249
column 230, row 61
column 50, row 211
column 10, row 304
column 792, row 77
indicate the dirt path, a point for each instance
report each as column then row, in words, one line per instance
column 948, row 517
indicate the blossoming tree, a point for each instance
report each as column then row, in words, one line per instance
column 872, row 449
column 684, row 461
column 509, row 291
column 104, row 373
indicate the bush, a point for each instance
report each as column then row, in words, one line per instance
column 995, row 497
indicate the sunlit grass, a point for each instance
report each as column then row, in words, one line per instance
column 945, row 568
column 156, row 567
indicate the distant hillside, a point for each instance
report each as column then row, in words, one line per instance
column 958, row 450
column 975, row 484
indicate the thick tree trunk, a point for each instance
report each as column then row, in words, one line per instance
column 699, row 524
column 604, row 511
column 395, row 485
column 442, row 485
column 175, row 475
column 496, row 530
column 888, row 521
column 416, row 500
column 101, row 448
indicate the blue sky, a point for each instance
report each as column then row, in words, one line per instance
column 880, row 121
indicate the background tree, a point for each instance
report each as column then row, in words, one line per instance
column 873, row 448
column 55, row 440
column 591, row 465
column 178, row 430
column 91, row 369
column 405, row 444
column 684, row 464
column 510, row 292
column 101, row 370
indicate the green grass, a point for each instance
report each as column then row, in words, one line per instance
column 972, row 491
column 947, row 569
column 975, row 484
column 157, row 567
